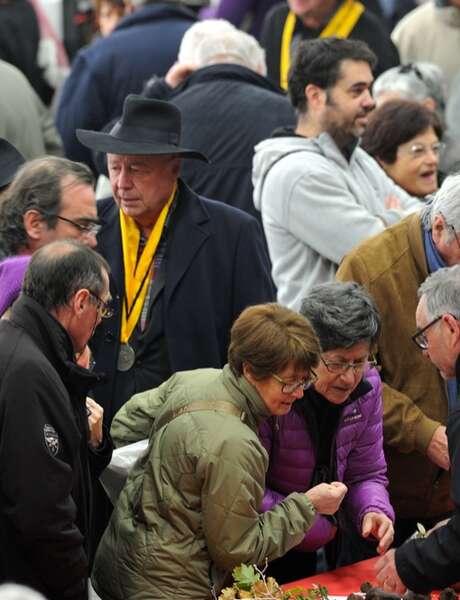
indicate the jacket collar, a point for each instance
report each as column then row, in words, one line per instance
column 246, row 395
column 228, row 72
column 189, row 228
column 54, row 342
column 415, row 237
column 153, row 12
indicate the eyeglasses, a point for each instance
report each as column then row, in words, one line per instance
column 105, row 309
column 88, row 228
column 339, row 367
column 419, row 150
column 451, row 228
column 419, row 338
column 411, row 68
column 290, row 388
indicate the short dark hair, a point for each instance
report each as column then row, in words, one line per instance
column 319, row 61
column 269, row 337
column 59, row 269
column 342, row 314
column 37, row 185
column 394, row 123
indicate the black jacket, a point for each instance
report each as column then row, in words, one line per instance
column 434, row 562
column 226, row 110
column 215, row 265
column 45, row 465
column 369, row 29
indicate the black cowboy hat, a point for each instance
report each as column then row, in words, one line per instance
column 146, row 127
column 10, row 161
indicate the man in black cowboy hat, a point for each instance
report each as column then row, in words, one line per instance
column 183, row 267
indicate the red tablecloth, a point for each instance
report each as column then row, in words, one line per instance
column 340, row 582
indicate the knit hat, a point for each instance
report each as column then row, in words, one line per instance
column 12, row 271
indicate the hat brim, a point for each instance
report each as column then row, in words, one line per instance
column 105, row 142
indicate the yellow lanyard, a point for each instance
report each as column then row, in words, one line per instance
column 341, row 25
column 137, row 271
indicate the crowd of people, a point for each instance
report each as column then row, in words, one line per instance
column 232, row 233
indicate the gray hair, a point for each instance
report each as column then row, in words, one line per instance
column 12, row 591
column 445, row 202
column 236, row 47
column 453, row 108
column 37, row 185
column 342, row 314
column 416, row 81
column 198, row 32
column 58, row 270
column 442, row 292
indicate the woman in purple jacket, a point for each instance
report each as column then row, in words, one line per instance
column 335, row 433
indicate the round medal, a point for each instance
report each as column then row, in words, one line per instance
column 126, row 357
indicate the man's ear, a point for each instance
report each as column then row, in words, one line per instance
column 316, row 96
column 80, row 301
column 175, row 166
column 437, row 229
column 33, row 224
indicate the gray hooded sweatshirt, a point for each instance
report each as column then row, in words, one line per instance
column 316, row 206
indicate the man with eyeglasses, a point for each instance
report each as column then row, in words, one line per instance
column 423, row 565
column 392, row 265
column 48, row 457
column 50, row 198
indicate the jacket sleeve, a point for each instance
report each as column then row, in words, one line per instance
column 325, row 197
column 37, row 481
column 233, row 475
column 252, row 282
column 434, row 562
column 365, row 474
column 135, row 419
column 406, row 427
column 81, row 105
column 322, row 530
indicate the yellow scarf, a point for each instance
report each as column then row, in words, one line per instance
column 137, row 272
column 341, row 25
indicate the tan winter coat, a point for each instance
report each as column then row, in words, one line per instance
column 391, row 266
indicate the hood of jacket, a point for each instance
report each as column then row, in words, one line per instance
column 285, row 142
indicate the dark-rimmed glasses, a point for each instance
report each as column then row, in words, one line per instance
column 419, row 337
column 88, row 228
column 339, row 367
column 290, row 388
column 105, row 309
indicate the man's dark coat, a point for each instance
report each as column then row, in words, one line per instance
column 144, row 43
column 45, row 464
column 215, row 266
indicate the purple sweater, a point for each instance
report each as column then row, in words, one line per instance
column 359, row 461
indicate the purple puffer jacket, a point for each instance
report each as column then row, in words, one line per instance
column 359, row 461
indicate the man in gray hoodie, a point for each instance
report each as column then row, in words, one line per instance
column 318, row 192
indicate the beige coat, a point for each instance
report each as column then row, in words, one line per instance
column 391, row 266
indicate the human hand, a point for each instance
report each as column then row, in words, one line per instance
column 178, row 72
column 387, row 575
column 95, row 419
column 327, row 497
column 437, row 450
column 393, row 203
column 379, row 526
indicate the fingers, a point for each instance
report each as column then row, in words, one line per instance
column 385, row 535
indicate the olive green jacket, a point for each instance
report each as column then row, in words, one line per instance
column 189, row 511
column 392, row 265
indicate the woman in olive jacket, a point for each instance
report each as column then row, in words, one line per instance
column 190, row 510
